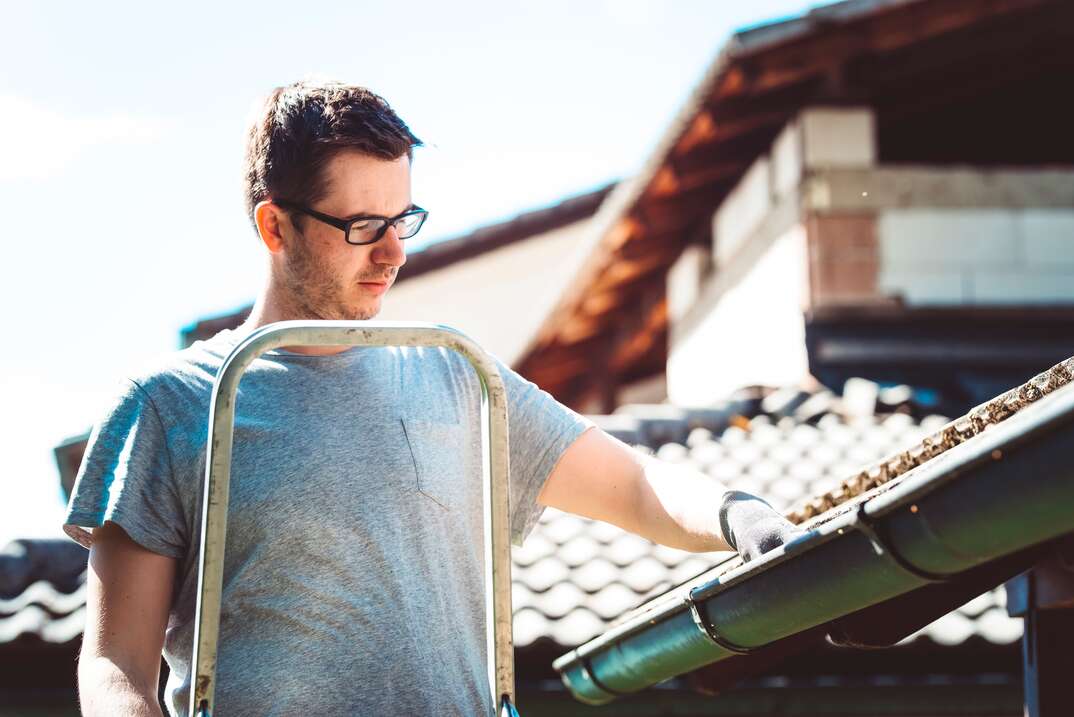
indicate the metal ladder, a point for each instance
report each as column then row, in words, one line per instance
column 494, row 440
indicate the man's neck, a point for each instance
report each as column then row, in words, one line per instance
column 271, row 307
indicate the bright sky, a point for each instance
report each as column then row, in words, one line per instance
column 120, row 142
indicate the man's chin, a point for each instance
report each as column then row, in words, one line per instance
column 366, row 312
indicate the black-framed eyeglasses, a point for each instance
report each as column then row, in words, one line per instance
column 365, row 228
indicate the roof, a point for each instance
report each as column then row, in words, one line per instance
column 892, row 54
column 444, row 253
column 42, row 591
column 574, row 577
column 68, row 455
column 898, row 544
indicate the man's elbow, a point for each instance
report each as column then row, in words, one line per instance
column 106, row 688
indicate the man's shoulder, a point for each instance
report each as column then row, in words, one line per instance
column 189, row 370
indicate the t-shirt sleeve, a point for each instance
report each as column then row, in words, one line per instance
column 540, row 430
column 126, row 477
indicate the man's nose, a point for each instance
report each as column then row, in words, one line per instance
column 389, row 250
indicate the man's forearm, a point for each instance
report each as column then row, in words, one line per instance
column 105, row 690
column 677, row 506
column 601, row 477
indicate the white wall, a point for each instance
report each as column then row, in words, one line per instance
column 838, row 137
column 498, row 298
column 819, row 137
column 977, row 256
column 685, row 279
column 754, row 335
column 742, row 211
column 822, row 138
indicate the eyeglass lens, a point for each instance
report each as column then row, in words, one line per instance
column 366, row 231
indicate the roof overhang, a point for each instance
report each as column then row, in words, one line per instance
column 907, row 55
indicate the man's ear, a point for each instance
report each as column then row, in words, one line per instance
column 270, row 219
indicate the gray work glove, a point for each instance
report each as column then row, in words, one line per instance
column 752, row 526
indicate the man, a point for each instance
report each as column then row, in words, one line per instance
column 353, row 575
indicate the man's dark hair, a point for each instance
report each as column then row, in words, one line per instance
column 302, row 125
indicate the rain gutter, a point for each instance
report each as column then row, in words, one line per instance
column 1009, row 488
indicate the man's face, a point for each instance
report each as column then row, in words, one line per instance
column 327, row 278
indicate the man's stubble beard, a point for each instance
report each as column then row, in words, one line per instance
column 314, row 291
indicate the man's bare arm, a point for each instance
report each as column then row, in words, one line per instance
column 129, row 591
column 603, row 478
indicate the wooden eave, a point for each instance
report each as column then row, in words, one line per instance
column 898, row 53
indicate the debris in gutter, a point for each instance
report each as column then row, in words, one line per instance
column 957, row 431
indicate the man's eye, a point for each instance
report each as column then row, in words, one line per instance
column 361, row 226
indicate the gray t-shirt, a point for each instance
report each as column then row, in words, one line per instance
column 353, row 579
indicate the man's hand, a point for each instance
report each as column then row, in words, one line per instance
column 752, row 526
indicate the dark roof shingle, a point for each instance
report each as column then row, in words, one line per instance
column 573, row 577
column 42, row 590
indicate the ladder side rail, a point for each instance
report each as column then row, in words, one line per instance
column 495, row 471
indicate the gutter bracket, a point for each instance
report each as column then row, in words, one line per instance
column 709, row 630
column 864, row 525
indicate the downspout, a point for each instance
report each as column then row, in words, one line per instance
column 1009, row 488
